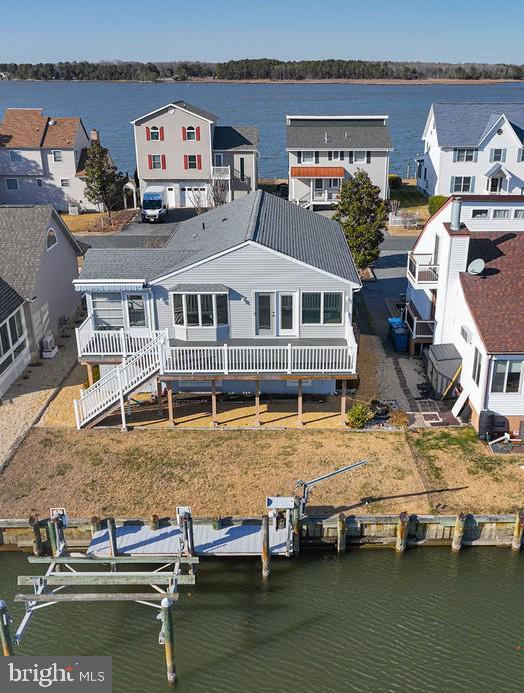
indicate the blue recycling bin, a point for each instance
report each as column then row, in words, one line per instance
column 398, row 334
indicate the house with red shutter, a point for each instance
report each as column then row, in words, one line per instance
column 200, row 163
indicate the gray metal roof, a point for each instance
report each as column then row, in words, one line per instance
column 338, row 134
column 196, row 110
column 260, row 217
column 9, row 300
column 228, row 137
column 203, row 288
column 23, row 233
column 465, row 124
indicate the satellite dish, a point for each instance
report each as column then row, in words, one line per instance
column 476, row 267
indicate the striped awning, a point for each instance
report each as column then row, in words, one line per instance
column 109, row 287
column 318, row 172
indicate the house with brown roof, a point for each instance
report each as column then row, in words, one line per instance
column 42, row 159
column 464, row 308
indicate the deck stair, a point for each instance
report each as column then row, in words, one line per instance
column 121, row 381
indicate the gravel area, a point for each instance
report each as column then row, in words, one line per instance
column 28, row 396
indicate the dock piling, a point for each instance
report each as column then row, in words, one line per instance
column 169, row 639
column 113, row 547
column 52, row 537
column 516, row 544
column 5, row 631
column 296, row 528
column 265, row 554
column 458, row 532
column 38, row 548
column 341, row 534
column 402, row 532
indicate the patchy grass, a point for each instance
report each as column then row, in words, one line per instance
column 411, row 201
column 97, row 222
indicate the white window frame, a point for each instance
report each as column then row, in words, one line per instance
column 518, row 214
column 462, row 180
column 15, row 156
column 198, row 294
column 280, row 331
column 480, row 214
column 189, row 167
column 125, row 309
column 463, row 153
column 335, row 155
column 64, row 182
column 359, row 157
column 154, row 158
column 477, row 366
column 322, row 323
column 154, row 130
column 218, row 158
column 57, row 156
column 10, row 352
column 16, row 188
column 506, row 372
column 502, row 157
column 50, row 233
column 191, row 130
column 501, row 214
column 308, row 157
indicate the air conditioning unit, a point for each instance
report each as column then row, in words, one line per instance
column 49, row 348
column 466, row 334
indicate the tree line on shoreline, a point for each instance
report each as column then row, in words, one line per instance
column 263, row 68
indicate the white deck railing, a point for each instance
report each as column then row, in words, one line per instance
column 289, row 359
column 221, row 172
column 91, row 342
column 422, row 269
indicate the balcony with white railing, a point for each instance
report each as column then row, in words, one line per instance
column 96, row 343
column 421, row 330
column 422, row 271
column 221, row 172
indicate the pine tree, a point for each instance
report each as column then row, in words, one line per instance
column 103, row 182
column 363, row 217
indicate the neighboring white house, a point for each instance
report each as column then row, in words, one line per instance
column 254, row 296
column 473, row 148
column 200, row 163
column 325, row 150
column 465, row 298
column 42, row 159
column 38, row 262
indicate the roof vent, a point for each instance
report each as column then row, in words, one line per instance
column 203, row 225
column 456, row 207
column 325, row 137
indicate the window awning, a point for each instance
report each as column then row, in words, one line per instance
column 113, row 286
column 200, row 289
column 496, row 170
column 318, row 172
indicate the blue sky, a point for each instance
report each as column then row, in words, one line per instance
column 216, row 30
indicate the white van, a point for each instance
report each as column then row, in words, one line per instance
column 154, row 203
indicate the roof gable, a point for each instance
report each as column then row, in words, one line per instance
column 27, row 128
column 349, row 132
column 467, row 124
column 182, row 105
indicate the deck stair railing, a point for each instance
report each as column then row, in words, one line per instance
column 120, row 381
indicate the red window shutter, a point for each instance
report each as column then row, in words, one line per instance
column 198, row 134
column 163, row 160
column 150, row 161
column 162, row 133
column 199, row 162
column 185, row 160
column 148, row 135
column 184, row 134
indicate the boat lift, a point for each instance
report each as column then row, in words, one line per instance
column 306, row 486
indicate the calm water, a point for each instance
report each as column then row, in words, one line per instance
column 371, row 622
column 110, row 107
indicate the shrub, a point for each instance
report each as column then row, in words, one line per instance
column 399, row 418
column 395, row 181
column 435, row 202
column 359, row 415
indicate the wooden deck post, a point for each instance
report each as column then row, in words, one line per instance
column 159, row 407
column 129, row 410
column 402, row 532
column 341, row 534
column 5, row 631
column 265, row 554
column 169, row 639
column 516, row 544
column 300, row 404
column 113, row 546
column 37, row 536
column 90, row 378
column 170, row 410
column 458, row 532
column 52, row 537
column 296, row 528
column 213, row 403
column 343, row 419
column 95, row 524
column 257, row 402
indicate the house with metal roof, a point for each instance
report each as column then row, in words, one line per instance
column 42, row 159
column 253, row 296
column 200, row 164
column 325, row 150
column 464, row 308
column 38, row 263
column 473, row 148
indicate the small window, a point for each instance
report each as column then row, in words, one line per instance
column 15, row 157
column 322, row 308
column 501, row 214
column 359, row 157
column 462, row 184
column 178, row 309
column 11, row 183
column 311, row 308
column 15, row 327
column 518, row 214
column 5, row 344
column 136, row 310
column 154, row 133
column 39, row 183
column 477, row 366
column 191, row 161
column 464, row 154
column 308, row 157
column 222, row 316
column 64, row 182
column 219, row 158
column 506, row 376
column 51, row 239
column 57, row 155
column 332, row 308
column 335, row 155
column 480, row 214
column 192, row 310
column 242, row 168
column 190, row 133
column 206, row 310
column 156, row 161
column 498, row 155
